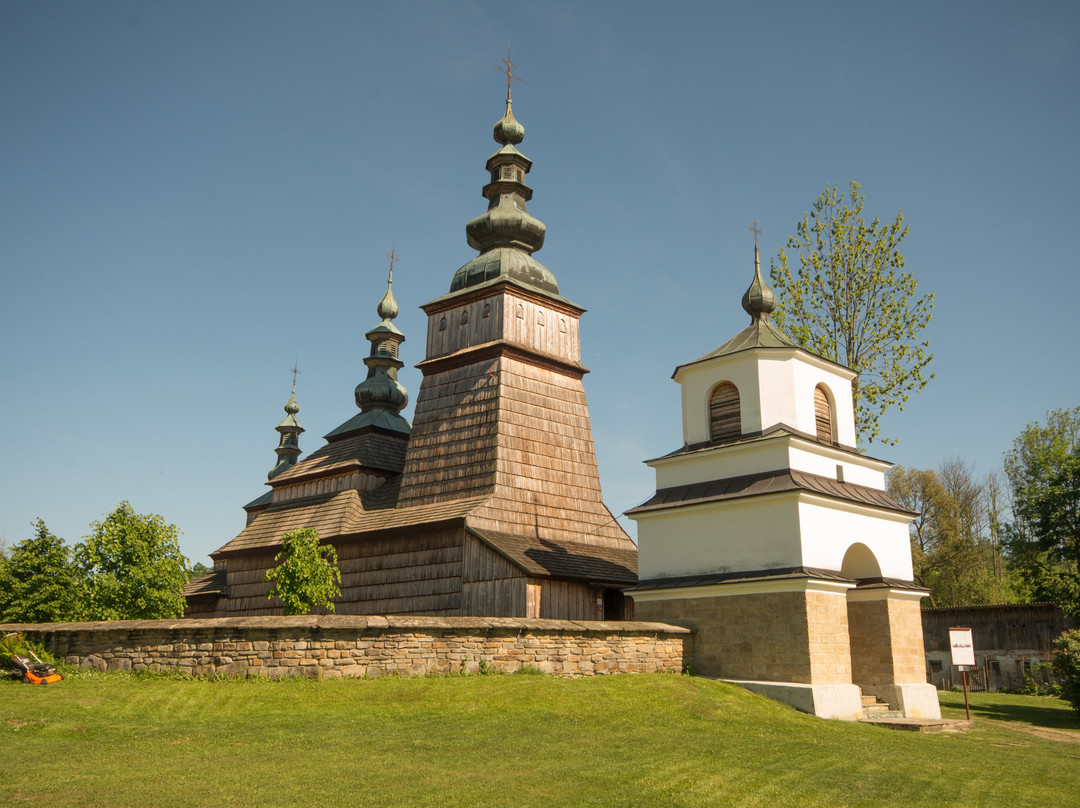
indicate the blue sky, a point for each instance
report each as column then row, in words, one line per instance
column 196, row 194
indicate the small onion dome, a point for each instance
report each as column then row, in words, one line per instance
column 759, row 300
column 388, row 307
column 291, row 407
column 508, row 131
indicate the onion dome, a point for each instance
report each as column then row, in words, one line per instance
column 506, row 234
column 759, row 300
column 508, row 131
column 388, row 307
column 288, row 449
column 381, row 390
column 291, row 407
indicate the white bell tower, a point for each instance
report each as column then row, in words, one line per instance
column 773, row 537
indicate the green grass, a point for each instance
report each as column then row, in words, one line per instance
column 646, row 740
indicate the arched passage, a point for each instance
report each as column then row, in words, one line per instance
column 869, row 629
column 860, row 562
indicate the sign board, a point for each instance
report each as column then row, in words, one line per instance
column 962, row 646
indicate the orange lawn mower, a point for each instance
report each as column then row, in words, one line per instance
column 25, row 668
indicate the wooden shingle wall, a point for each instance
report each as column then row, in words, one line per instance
column 452, row 449
column 547, row 484
column 417, row 573
column 247, row 586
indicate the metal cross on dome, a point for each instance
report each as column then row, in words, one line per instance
column 757, row 231
column 392, row 255
column 508, row 68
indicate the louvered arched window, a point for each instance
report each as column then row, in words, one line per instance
column 823, row 415
column 725, row 420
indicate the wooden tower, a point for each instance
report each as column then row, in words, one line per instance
column 489, row 504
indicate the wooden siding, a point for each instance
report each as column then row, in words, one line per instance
column 504, row 597
column 570, row 600
column 491, row 585
column 418, row 573
column 359, row 480
column 997, row 629
column 531, row 322
column 725, row 416
column 510, row 422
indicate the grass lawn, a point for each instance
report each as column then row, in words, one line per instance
column 642, row 740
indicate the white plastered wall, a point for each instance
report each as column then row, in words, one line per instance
column 728, row 536
column 767, row 454
column 816, row 459
column 720, row 462
column 830, row 527
column 776, row 386
column 793, row 529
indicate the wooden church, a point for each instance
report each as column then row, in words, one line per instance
column 489, row 503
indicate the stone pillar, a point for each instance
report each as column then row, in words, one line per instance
column 887, row 656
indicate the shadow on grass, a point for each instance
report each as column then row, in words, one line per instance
column 1038, row 711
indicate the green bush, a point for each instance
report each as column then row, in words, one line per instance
column 1067, row 666
column 1038, row 681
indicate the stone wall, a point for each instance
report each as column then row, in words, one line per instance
column 764, row 636
column 342, row 645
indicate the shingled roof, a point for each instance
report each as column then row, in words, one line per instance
column 768, row 482
column 371, row 450
column 339, row 514
column 213, row 583
column 552, row 558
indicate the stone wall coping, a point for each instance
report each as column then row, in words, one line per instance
column 359, row 623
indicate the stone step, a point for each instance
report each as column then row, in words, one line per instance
column 874, row 709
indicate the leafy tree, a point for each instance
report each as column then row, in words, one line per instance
column 1043, row 468
column 133, row 567
column 198, row 569
column 953, row 547
column 1067, row 666
column 5, row 579
column 849, row 300
column 306, row 576
column 40, row 583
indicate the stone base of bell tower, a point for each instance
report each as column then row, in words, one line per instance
column 803, row 641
